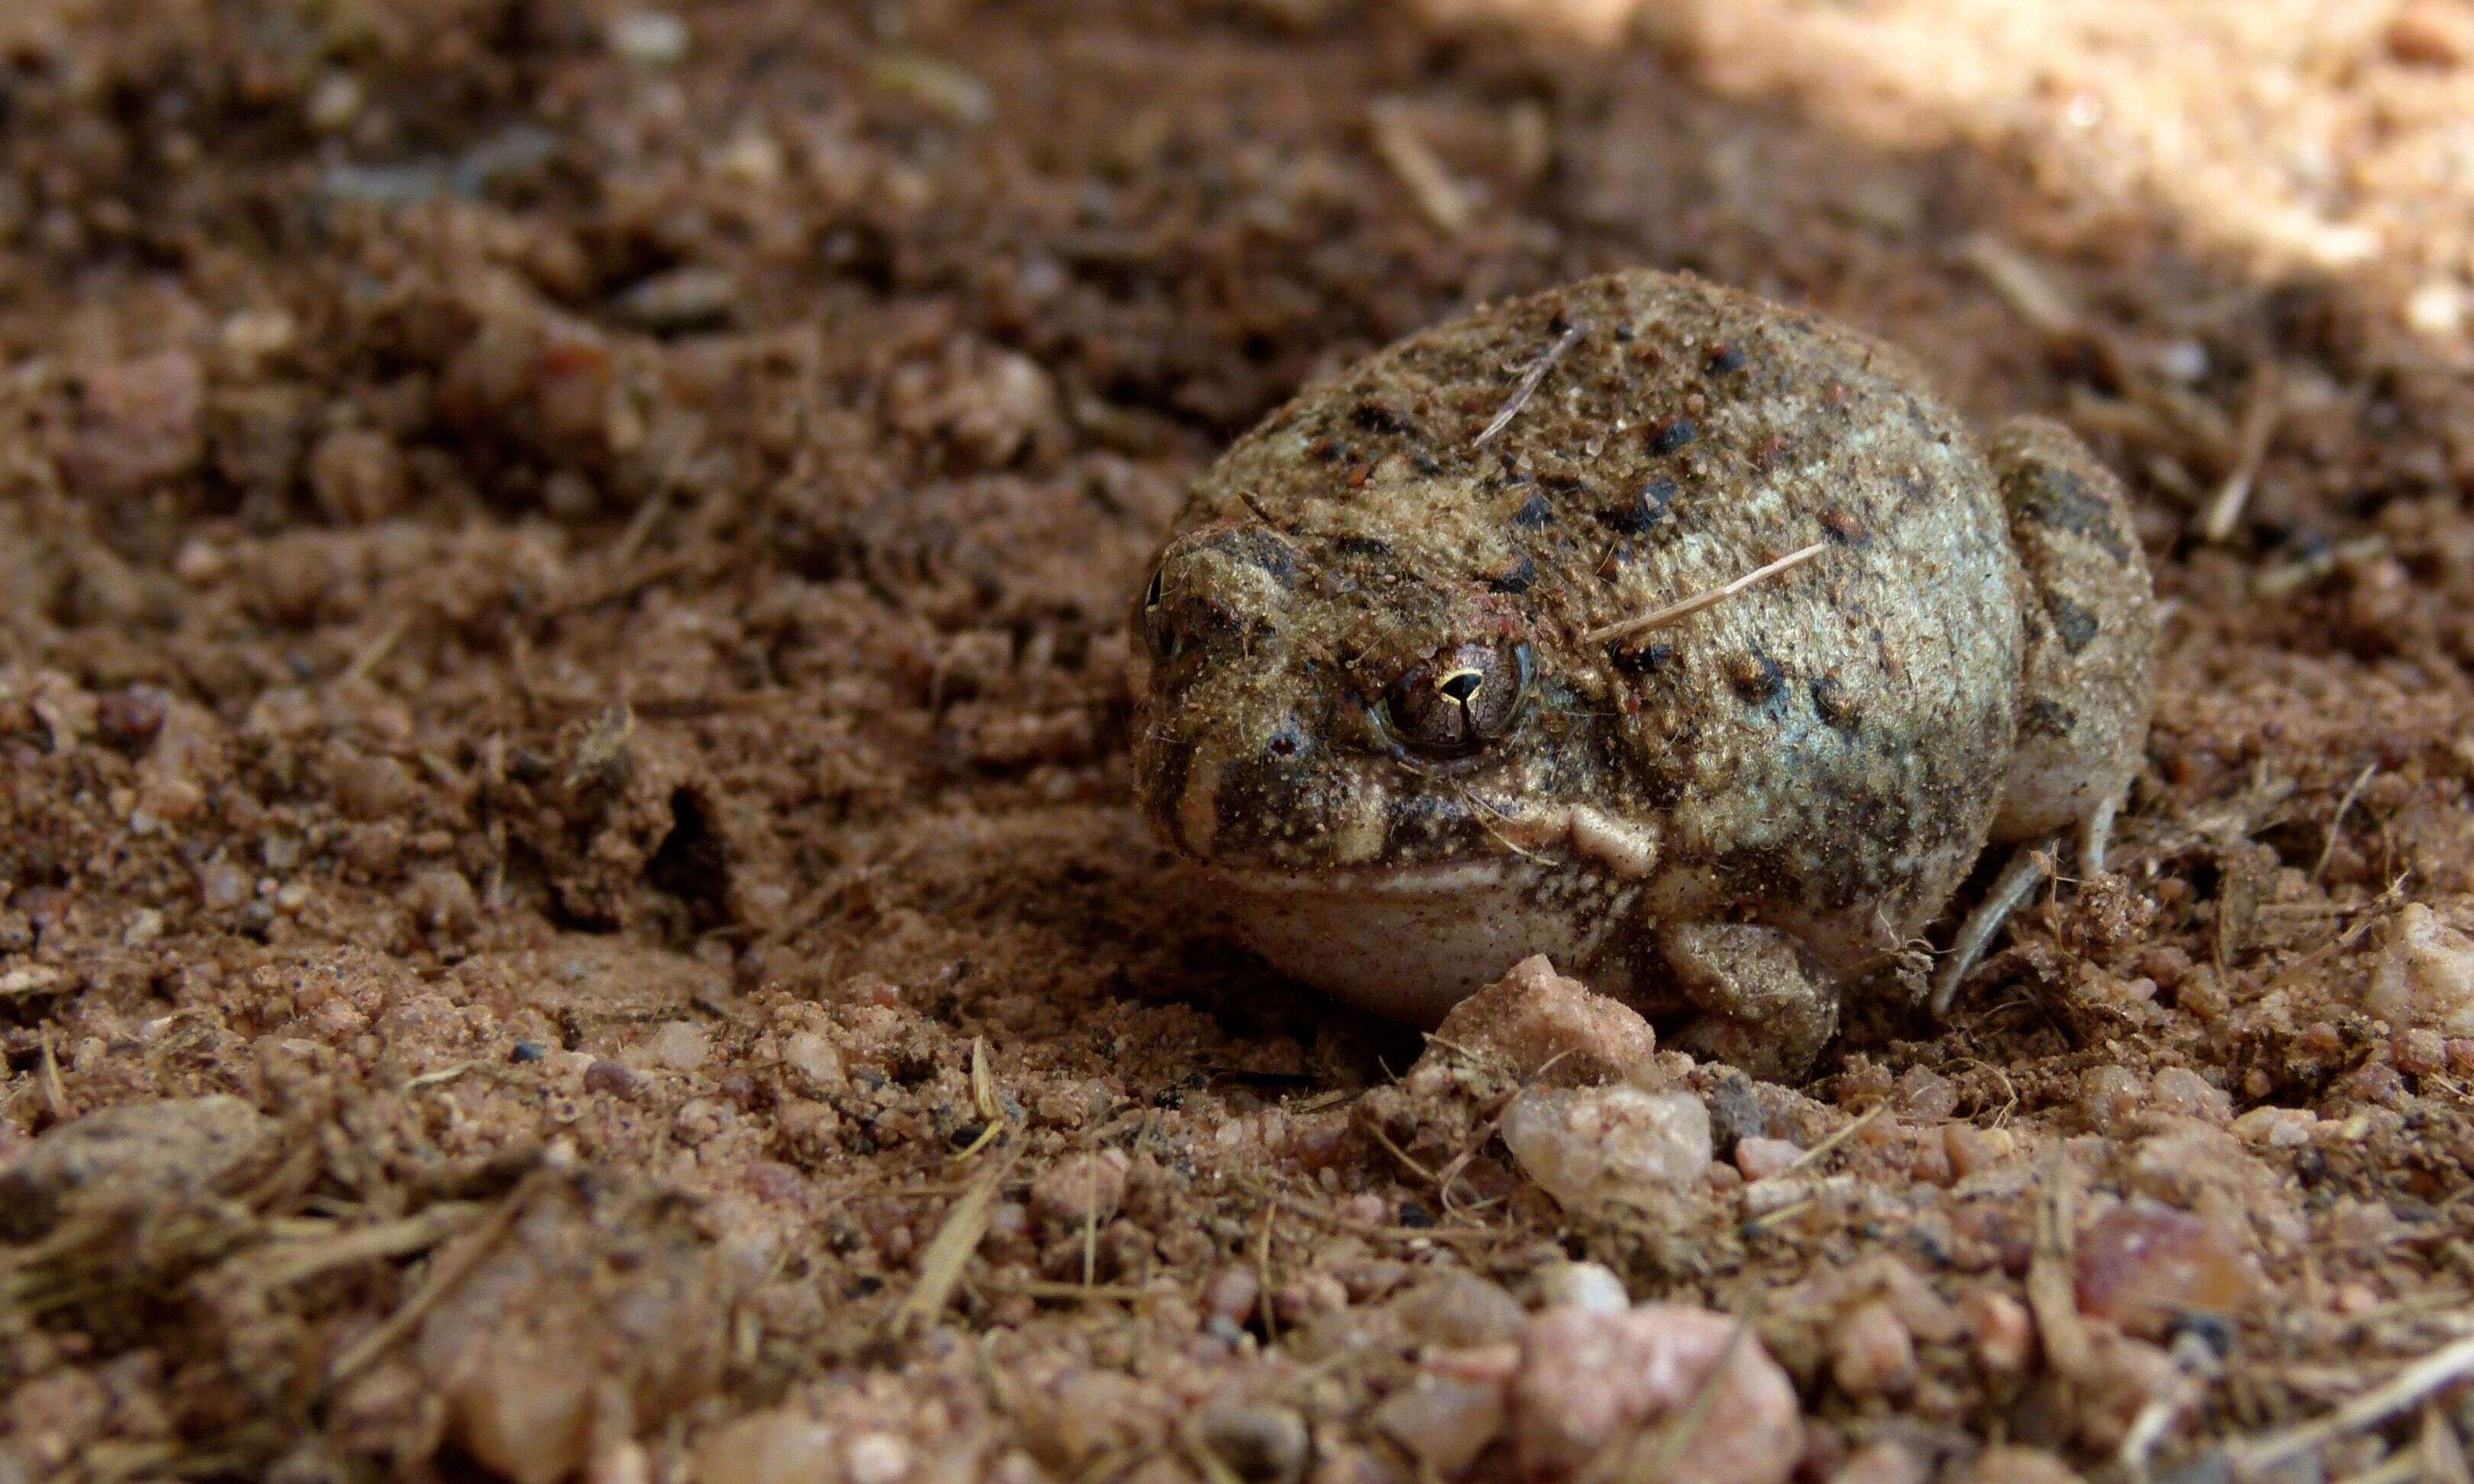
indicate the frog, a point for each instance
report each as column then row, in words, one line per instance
column 1684, row 636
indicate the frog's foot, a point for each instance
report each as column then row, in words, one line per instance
column 2028, row 866
column 1767, row 1006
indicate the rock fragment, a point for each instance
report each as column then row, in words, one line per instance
column 1553, row 1027
column 1590, row 1381
column 1589, row 1146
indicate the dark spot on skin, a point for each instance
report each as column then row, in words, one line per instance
column 1660, row 789
column 1371, row 418
column 1726, row 361
column 1646, row 509
column 1516, row 578
column 2046, row 718
column 1673, row 433
column 1844, row 528
column 1361, row 545
column 1764, row 873
column 1636, row 663
column 1425, row 463
column 1536, row 513
column 2057, row 498
column 1755, row 677
column 1832, row 703
column 1563, row 484
column 1624, row 335
column 2077, row 626
column 1422, row 820
column 1286, row 745
column 1329, row 453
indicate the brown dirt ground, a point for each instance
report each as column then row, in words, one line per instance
column 561, row 592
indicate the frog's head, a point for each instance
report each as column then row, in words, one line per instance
column 1366, row 747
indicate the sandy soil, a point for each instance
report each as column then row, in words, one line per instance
column 568, row 900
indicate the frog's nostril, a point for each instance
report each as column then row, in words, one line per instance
column 1286, row 745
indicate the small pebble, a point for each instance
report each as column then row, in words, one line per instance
column 2003, row 1330
column 2426, row 976
column 1443, row 1423
column 1883, row 1462
column 1262, row 1445
column 1540, row 1022
column 1080, row 1188
column 1870, row 1353
column 1760, row 1158
column 1592, row 1145
column 681, row 1046
column 2185, row 1094
column 878, row 1458
column 2143, row 1263
column 1588, row 1286
column 682, row 298
column 1972, row 1151
column 2422, row 1053
column 1590, row 1381
column 2109, row 1096
column 611, row 1078
column 2277, row 1128
column 650, row 39
column 1234, row 1294
column 813, row 1063
column 1460, row 1310
column 2017, row 1466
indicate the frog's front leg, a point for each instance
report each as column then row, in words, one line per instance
column 2084, row 693
column 1768, row 1005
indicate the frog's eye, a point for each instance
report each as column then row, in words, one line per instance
column 1158, row 632
column 1459, row 699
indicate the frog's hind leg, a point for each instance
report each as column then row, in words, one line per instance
column 2084, row 679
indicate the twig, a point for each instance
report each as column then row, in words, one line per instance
column 949, row 1251
column 1430, row 186
column 1529, row 382
column 290, row 1262
column 2402, row 1467
column 2353, row 790
column 2258, row 427
column 56, row 1097
column 1676, row 612
column 379, row 649
column 1821, row 1151
column 445, row 1274
column 2439, row 1368
column 2022, row 284
column 1263, row 1274
column 2051, row 1294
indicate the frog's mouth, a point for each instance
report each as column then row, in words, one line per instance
column 1444, row 879
column 1410, row 941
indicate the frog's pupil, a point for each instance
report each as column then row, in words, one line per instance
column 1151, row 595
column 1462, row 685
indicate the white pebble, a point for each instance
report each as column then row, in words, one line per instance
column 1597, row 1144
column 650, row 39
column 1589, row 1286
column 878, row 1458
column 2426, row 978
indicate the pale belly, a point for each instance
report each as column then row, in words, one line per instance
column 1411, row 946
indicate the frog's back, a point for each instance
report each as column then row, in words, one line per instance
column 1824, row 745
